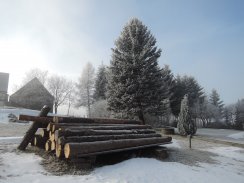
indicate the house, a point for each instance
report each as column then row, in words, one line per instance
column 4, row 78
column 33, row 95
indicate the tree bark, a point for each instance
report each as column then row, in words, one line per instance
column 141, row 117
column 94, row 120
column 39, row 119
column 75, row 150
column 76, row 126
column 32, row 130
column 40, row 141
column 55, row 108
column 68, row 132
column 62, row 140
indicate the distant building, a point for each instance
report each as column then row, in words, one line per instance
column 4, row 78
column 33, row 95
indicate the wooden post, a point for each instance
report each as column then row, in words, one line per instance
column 190, row 136
column 32, row 130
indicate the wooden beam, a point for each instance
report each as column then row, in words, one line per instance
column 32, row 130
column 39, row 119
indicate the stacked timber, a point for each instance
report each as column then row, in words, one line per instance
column 82, row 138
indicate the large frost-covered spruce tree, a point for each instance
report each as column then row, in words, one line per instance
column 135, row 80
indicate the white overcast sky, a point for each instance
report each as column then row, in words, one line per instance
column 202, row 38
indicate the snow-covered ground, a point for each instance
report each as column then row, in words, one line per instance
column 230, row 135
column 25, row 167
column 183, row 165
column 239, row 135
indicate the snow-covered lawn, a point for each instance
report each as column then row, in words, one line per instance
column 25, row 167
column 239, row 135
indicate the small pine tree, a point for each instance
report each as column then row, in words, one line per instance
column 186, row 125
column 100, row 84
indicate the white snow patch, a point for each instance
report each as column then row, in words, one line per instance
column 10, row 138
column 18, row 168
column 230, row 152
column 237, row 135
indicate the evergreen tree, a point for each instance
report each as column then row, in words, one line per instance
column 169, row 84
column 135, row 80
column 182, row 86
column 100, row 84
column 239, row 119
column 214, row 99
column 186, row 125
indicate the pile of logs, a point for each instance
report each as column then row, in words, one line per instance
column 76, row 138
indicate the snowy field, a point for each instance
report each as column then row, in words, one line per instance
column 227, row 165
column 206, row 162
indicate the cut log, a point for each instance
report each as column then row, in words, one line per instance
column 68, row 132
column 51, row 136
column 62, row 140
column 75, row 150
column 57, row 119
column 39, row 119
column 44, row 133
column 59, row 151
column 40, row 141
column 53, row 145
column 32, row 130
column 49, row 127
column 80, row 127
column 48, row 145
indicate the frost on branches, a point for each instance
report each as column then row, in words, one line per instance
column 186, row 125
column 135, row 80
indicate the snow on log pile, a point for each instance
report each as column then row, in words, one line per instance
column 78, row 139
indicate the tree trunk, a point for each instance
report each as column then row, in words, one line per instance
column 32, row 130
column 94, row 120
column 55, row 108
column 40, row 141
column 62, row 140
column 68, row 108
column 88, row 102
column 190, row 137
column 39, row 119
column 68, row 132
column 76, row 126
column 141, row 117
column 75, row 150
